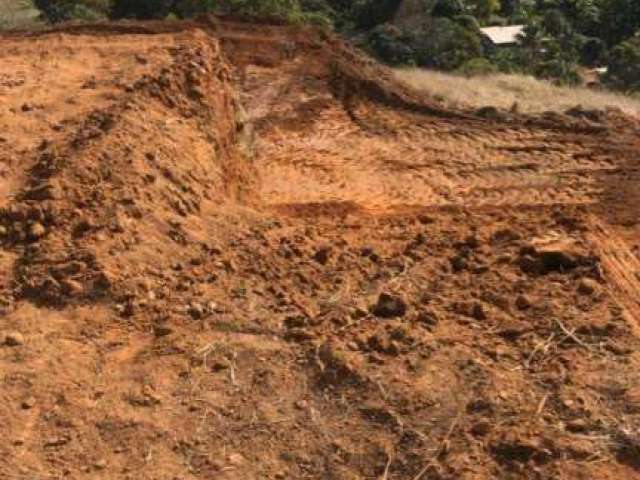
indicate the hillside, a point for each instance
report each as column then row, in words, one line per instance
column 239, row 251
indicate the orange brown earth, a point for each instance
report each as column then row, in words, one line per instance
column 236, row 251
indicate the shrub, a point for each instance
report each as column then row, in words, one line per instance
column 623, row 70
column 55, row 11
column 192, row 8
column 468, row 22
column 448, row 8
column 592, row 51
column 289, row 11
column 141, row 9
column 445, row 45
column 387, row 43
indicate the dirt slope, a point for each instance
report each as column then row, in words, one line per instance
column 242, row 251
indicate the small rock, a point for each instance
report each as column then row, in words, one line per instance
column 523, row 302
column 428, row 317
column 389, row 306
column 425, row 219
column 196, row 310
column 162, row 331
column 36, row 231
column 481, row 428
column 219, row 366
column 353, row 346
column 322, row 255
column 72, row 287
column 301, row 404
column 236, row 459
column 100, row 464
column 578, row 425
column 3, row 231
column 478, row 312
column 28, row 403
column 13, row 339
column 588, row 286
column 56, row 441
column 559, row 260
column 632, row 397
column 459, row 263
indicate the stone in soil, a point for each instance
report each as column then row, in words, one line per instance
column 13, row 339
column 389, row 306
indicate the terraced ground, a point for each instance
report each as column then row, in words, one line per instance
column 240, row 251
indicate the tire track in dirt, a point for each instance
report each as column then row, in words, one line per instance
column 621, row 267
column 384, row 161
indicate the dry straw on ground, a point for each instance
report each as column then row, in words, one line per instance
column 503, row 91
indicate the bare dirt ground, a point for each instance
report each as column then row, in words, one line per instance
column 237, row 251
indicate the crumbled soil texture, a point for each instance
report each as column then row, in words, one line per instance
column 242, row 251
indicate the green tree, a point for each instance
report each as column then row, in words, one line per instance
column 141, row 9
column 191, row 8
column 445, row 45
column 55, row 11
column 483, row 9
column 623, row 70
column 618, row 21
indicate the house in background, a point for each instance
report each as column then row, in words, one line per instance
column 503, row 36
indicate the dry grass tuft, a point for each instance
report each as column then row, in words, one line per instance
column 17, row 14
column 503, row 91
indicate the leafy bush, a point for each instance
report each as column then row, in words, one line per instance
column 445, row 45
column 623, row 70
column 141, row 9
column 192, row 8
column 448, row 8
column 468, row 22
column 289, row 11
column 388, row 43
column 55, row 11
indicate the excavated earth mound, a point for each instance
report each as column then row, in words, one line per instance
column 242, row 251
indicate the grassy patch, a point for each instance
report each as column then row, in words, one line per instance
column 503, row 91
column 17, row 14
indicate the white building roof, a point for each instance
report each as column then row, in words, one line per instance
column 503, row 35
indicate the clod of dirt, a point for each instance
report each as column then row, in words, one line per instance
column 428, row 317
column 541, row 261
column 478, row 312
column 162, row 331
column 459, row 263
column 578, row 425
column 523, row 302
column 196, row 310
column 71, row 287
column 588, row 286
column 322, row 255
column 389, row 306
column 36, row 231
column 28, row 403
column 370, row 253
column 481, row 428
column 632, row 399
column 13, row 339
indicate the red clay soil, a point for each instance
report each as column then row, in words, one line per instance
column 237, row 251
